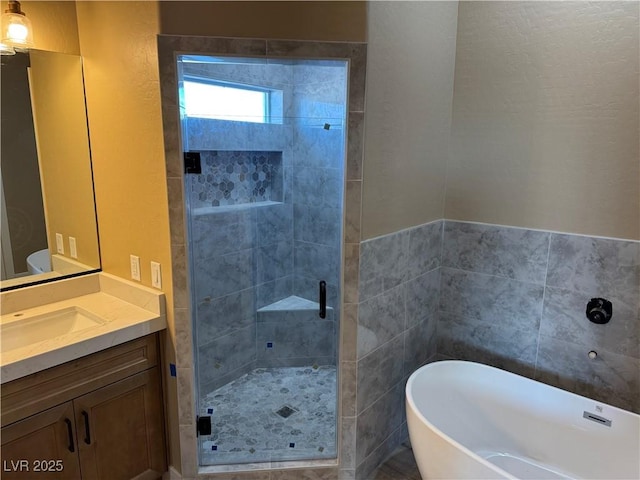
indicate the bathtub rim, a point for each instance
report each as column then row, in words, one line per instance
column 415, row 410
column 410, row 404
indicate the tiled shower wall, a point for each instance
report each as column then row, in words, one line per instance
column 249, row 255
column 508, row 297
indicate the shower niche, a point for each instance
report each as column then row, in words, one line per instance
column 264, row 227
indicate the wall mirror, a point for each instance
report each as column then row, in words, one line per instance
column 49, row 228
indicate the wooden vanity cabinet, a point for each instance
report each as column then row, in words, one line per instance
column 110, row 425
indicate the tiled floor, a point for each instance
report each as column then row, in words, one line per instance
column 272, row 414
column 400, row 466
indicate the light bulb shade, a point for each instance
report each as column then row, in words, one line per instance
column 17, row 31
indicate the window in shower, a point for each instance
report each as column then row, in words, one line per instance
column 265, row 229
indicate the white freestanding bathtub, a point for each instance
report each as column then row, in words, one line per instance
column 472, row 421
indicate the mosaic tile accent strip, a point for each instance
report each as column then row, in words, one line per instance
column 248, row 424
column 236, row 177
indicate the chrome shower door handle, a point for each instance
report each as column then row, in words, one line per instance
column 323, row 299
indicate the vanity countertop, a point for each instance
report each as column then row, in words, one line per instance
column 123, row 312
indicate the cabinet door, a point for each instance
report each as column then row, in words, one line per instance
column 42, row 446
column 120, row 429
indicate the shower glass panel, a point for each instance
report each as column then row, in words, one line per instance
column 265, row 210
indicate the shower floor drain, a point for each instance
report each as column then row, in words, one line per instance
column 286, row 411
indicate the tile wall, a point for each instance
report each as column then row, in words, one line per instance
column 516, row 299
column 398, row 313
column 508, row 297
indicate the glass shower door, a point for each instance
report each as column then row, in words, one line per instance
column 264, row 203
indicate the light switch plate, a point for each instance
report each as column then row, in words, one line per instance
column 73, row 250
column 135, row 267
column 156, row 275
column 59, row 244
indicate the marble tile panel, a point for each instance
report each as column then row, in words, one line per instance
column 317, row 224
column 176, row 211
column 184, row 338
column 223, row 315
column 355, row 145
column 378, row 422
column 347, row 474
column 179, row 276
column 295, row 339
column 349, row 375
column 353, row 210
column 355, row 52
column 274, row 224
column 168, row 79
column 368, row 468
column 379, row 371
column 564, row 318
column 271, row 292
column 383, row 263
column 604, row 267
column 225, row 274
column 172, row 142
column 220, row 233
column 510, row 346
column 315, row 261
column 226, row 354
column 320, row 187
column 349, row 329
column 213, row 45
column 186, row 406
column 380, row 319
column 351, row 272
column 420, row 344
column 310, row 111
column 316, row 147
column 487, row 298
column 212, row 134
column 515, row 253
column 425, row 248
column 610, row 378
column 188, row 451
column 423, row 298
column 217, row 381
column 274, row 261
column 347, row 446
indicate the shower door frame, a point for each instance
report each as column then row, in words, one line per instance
column 354, row 53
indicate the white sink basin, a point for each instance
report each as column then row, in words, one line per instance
column 17, row 332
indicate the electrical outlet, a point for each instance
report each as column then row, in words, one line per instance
column 156, row 275
column 73, row 250
column 59, row 244
column 135, row 267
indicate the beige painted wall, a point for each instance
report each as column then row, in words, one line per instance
column 60, row 121
column 299, row 20
column 546, row 117
column 410, row 68
column 54, row 23
column 118, row 45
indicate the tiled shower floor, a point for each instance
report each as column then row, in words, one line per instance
column 246, row 427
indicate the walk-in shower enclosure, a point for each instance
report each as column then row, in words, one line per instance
column 264, row 142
